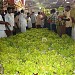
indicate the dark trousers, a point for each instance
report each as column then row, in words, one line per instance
column 69, row 31
column 38, row 26
column 45, row 25
column 33, row 25
column 53, row 27
column 48, row 26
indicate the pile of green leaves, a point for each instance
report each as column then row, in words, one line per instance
column 38, row 51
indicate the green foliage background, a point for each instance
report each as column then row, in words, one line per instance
column 38, row 51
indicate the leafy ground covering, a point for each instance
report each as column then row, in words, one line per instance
column 38, row 51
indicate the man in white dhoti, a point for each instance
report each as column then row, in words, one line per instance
column 22, row 21
column 9, row 17
column 2, row 28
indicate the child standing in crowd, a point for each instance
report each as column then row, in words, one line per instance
column 29, row 24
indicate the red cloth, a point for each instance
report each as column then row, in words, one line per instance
column 11, row 1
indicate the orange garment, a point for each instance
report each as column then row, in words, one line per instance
column 39, row 19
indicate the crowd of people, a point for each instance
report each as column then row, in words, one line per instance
column 12, row 23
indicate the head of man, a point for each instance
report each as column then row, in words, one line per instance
column 39, row 13
column 32, row 13
column 5, row 11
column 68, row 8
column 9, row 10
column 22, row 11
column 28, row 14
column 53, row 11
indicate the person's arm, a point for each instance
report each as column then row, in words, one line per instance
column 2, row 22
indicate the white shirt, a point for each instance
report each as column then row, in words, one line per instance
column 22, row 19
column 29, row 23
column 2, row 26
column 10, row 19
column 33, row 18
column 68, row 23
column 22, row 22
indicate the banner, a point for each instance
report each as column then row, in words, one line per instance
column 22, row 1
column 19, row 4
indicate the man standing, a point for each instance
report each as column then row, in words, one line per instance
column 39, row 20
column 22, row 21
column 29, row 24
column 68, row 21
column 9, row 17
column 2, row 28
column 33, row 20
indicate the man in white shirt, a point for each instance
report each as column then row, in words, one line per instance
column 68, row 21
column 22, row 21
column 9, row 17
column 33, row 20
column 2, row 28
